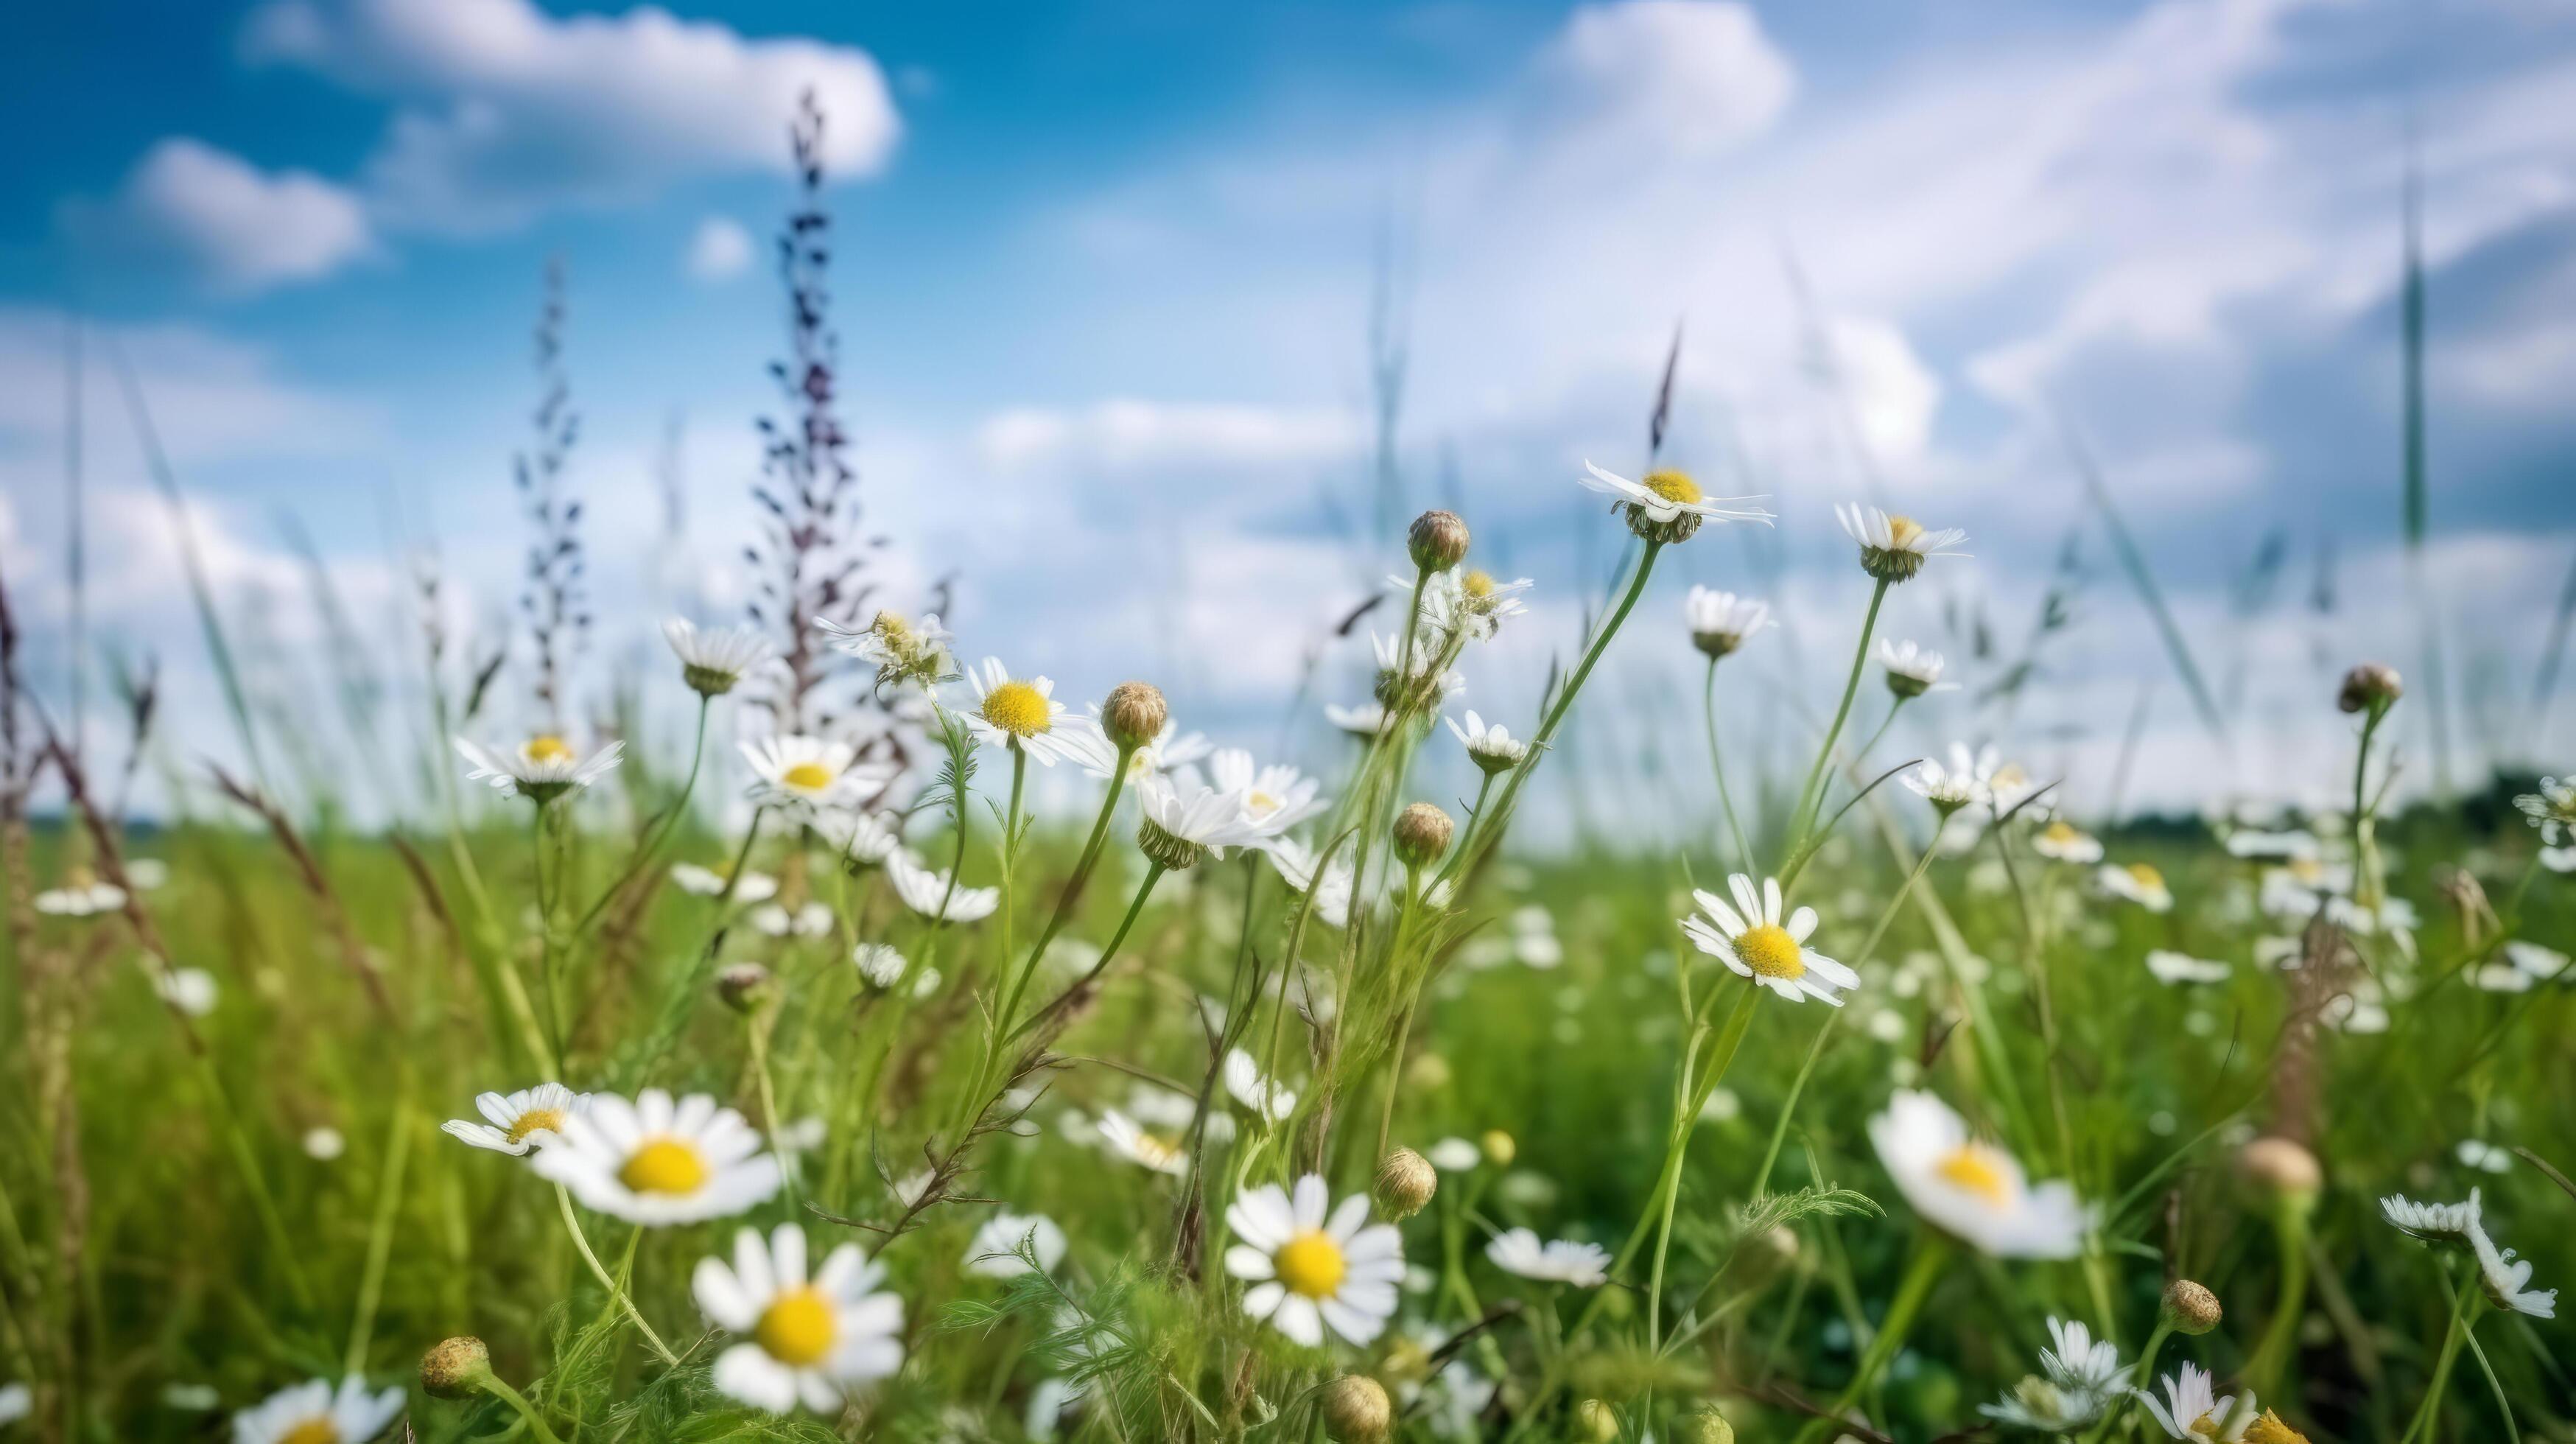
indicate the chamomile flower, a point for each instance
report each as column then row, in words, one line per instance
column 2541, row 965
column 2479, row 1154
column 927, row 891
column 2435, row 1223
column 520, row 1122
column 316, row 1413
column 2192, row 1410
column 1313, row 1266
column 2045, row 1407
column 714, row 659
column 1295, row 863
column 2501, row 978
column 862, row 838
column 1948, row 787
column 654, row 1161
column 2062, row 841
column 1170, row 748
column 1667, row 506
column 902, row 649
column 2138, row 882
column 540, row 769
column 1753, row 939
column 2507, row 1279
column 1363, row 721
column 881, row 965
column 748, row 886
column 190, row 990
column 2559, row 859
column 810, row 1339
column 1183, row 820
column 995, row 1250
column 1274, row 798
column 2552, row 809
column 810, row 772
column 1492, row 749
column 1557, row 1261
column 1402, row 683
column 2077, row 1360
column 1894, row 548
column 813, row 920
column 1469, row 602
column 82, row 895
column 1128, row 1139
column 1265, row 1099
column 1912, row 669
column 2172, row 968
column 1720, row 622
column 1010, row 712
column 1970, row 1188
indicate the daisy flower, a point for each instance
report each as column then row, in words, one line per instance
column 2076, row 1360
column 1182, row 820
column 2506, row 1279
column 1894, row 548
column 899, row 647
column 813, row 920
column 1757, row 943
column 2552, row 809
column 1972, row 1189
column 1469, row 602
column 1274, row 798
column 2192, row 1410
column 1912, row 669
column 714, row 659
column 2172, row 968
column 808, row 772
column 519, row 1122
column 1666, row 506
column 1947, row 787
column 1128, row 1139
column 1170, row 749
column 994, row 1252
column 861, row 837
column 2045, row 1407
column 190, row 990
column 2062, row 841
column 1009, row 712
column 2435, row 1223
column 1394, row 684
column 1492, row 749
column 82, row 895
column 1557, row 1261
column 882, row 966
column 926, row 891
column 749, row 887
column 2479, row 1154
column 654, row 1162
column 1454, row 1154
column 2542, row 965
column 1720, row 622
column 2501, row 978
column 1295, row 863
column 2251, row 842
column 1264, row 1099
column 812, row 1339
column 2140, row 883
column 1363, row 721
column 1312, row 1265
column 540, row 769
column 2558, row 859
column 315, row 1413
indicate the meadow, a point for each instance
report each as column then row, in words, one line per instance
column 783, row 1074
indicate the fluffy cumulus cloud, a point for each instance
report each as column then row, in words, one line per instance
column 1664, row 76
column 720, row 249
column 217, row 218
column 503, row 110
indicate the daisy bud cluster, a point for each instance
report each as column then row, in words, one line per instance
column 1405, row 1184
column 1135, row 714
column 1437, row 541
column 2372, row 687
column 1422, row 833
column 2190, row 1308
column 455, row 1368
column 1356, row 1410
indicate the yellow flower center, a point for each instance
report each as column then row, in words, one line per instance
column 892, row 630
column 547, row 747
column 79, row 878
column 807, row 777
column 2270, row 1430
column 312, row 1431
column 1477, row 585
column 549, row 1119
column 2059, row 834
column 1311, row 1264
column 2147, row 877
column 1902, row 530
column 664, row 1165
column 1017, row 708
column 1672, row 486
column 1260, row 803
column 1154, row 1152
column 1977, row 1169
column 2207, row 1426
column 796, row 1328
column 1770, row 952
column 2307, row 869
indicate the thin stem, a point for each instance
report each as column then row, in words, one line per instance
column 661, row 832
column 1810, row 795
column 527, row 1412
column 1153, row 874
column 2464, row 1304
column 1931, row 1252
column 1073, row 887
column 1689, row 1101
column 1717, row 766
column 616, row 1295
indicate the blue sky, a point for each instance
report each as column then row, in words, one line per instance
column 1105, row 287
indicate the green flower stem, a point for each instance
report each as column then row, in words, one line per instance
column 2465, row 1304
column 1810, row 794
column 661, row 833
column 1073, row 887
column 616, row 1294
column 1153, row 874
column 1689, row 1100
column 1717, row 767
column 492, row 1385
column 2272, row 1354
column 1931, row 1253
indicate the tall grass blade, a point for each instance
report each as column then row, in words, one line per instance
column 2134, row 562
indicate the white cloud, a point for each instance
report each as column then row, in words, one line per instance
column 1132, row 434
column 505, row 110
column 212, row 398
column 720, row 250
column 1893, row 395
column 226, row 222
column 1658, row 77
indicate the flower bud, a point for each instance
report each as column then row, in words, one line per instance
column 456, row 1368
column 1703, row 1425
column 1135, row 714
column 2282, row 1168
column 1594, row 1419
column 2370, row 687
column 1405, row 1183
column 1438, row 541
column 1173, row 851
column 1422, row 833
column 1499, row 1148
column 2190, row 1308
column 1355, row 1407
column 744, row 986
